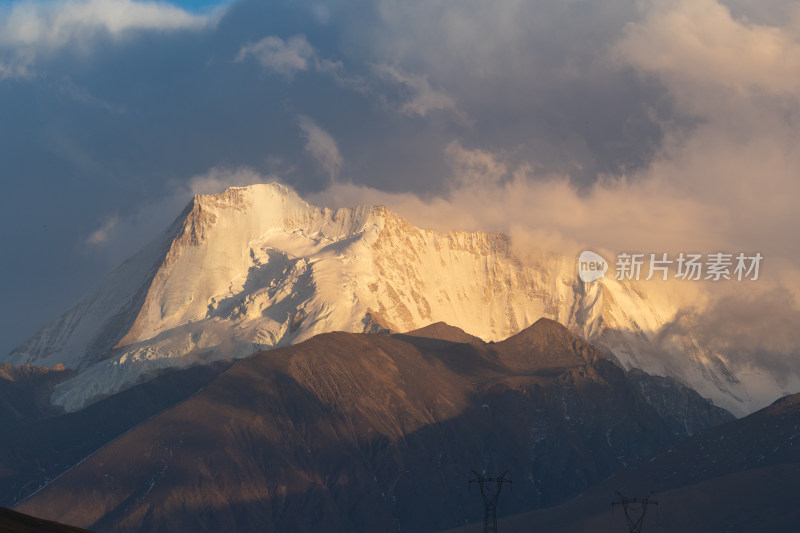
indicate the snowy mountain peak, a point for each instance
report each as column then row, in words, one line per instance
column 257, row 267
column 232, row 242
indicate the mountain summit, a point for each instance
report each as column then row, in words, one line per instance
column 257, row 267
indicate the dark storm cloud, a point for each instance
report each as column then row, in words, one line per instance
column 534, row 78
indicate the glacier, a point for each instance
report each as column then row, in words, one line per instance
column 257, row 267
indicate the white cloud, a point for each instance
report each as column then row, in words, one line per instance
column 52, row 24
column 321, row 146
column 218, row 179
column 285, row 57
column 423, row 98
column 31, row 29
column 699, row 43
column 104, row 232
column 296, row 54
column 474, row 167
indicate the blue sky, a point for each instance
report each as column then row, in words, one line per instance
column 655, row 125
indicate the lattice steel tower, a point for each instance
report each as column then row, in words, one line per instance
column 633, row 507
column 490, row 498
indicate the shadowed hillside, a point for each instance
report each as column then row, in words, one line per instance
column 357, row 432
column 39, row 442
column 743, row 476
column 13, row 522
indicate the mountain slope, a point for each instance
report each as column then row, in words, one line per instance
column 257, row 267
column 743, row 476
column 13, row 522
column 358, row 432
column 24, row 392
column 38, row 447
column 687, row 410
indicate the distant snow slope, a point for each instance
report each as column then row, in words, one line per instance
column 257, row 267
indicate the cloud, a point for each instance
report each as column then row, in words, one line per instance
column 285, row 57
column 118, row 237
column 52, row 24
column 698, row 44
column 321, row 146
column 218, row 179
column 102, row 234
column 17, row 67
column 739, row 80
column 656, row 212
column 489, row 193
column 422, row 98
column 751, row 329
column 474, row 168
column 533, row 78
column 296, row 54
column 30, row 29
column 81, row 95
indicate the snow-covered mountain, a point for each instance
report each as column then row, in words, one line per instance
column 257, row 267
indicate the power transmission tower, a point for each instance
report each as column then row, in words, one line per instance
column 633, row 507
column 490, row 498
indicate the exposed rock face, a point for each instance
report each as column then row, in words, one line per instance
column 359, row 432
column 687, row 410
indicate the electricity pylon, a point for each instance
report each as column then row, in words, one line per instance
column 490, row 499
column 632, row 506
